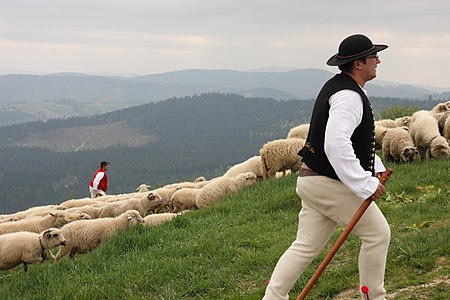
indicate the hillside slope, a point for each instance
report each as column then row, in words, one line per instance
column 228, row 251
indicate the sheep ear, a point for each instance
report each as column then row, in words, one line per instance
column 129, row 218
column 47, row 234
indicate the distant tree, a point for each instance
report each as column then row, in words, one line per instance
column 398, row 111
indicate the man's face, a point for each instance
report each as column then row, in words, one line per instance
column 370, row 66
column 105, row 167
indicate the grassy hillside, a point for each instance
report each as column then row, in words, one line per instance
column 228, row 251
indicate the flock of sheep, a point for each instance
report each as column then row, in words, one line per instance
column 80, row 225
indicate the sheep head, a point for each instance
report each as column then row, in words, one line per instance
column 409, row 154
column 52, row 237
column 134, row 217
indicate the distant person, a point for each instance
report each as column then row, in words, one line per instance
column 99, row 182
column 340, row 170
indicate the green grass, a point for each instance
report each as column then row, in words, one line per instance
column 228, row 251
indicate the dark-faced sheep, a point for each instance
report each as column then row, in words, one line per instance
column 398, row 146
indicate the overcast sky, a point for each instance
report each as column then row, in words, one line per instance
column 136, row 37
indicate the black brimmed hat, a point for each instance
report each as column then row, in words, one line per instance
column 354, row 47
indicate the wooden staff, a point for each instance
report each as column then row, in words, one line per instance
column 383, row 178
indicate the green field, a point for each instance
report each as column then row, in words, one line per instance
column 228, row 251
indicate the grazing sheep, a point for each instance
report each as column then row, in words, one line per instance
column 424, row 130
column 183, row 199
column 299, row 132
column 280, row 155
column 446, row 129
column 142, row 205
column 85, row 235
column 380, row 131
column 199, row 179
column 442, row 118
column 143, row 188
column 156, row 219
column 217, row 189
column 165, row 194
column 36, row 210
column 36, row 224
column 253, row 164
column 92, row 211
column 81, row 202
column 27, row 247
column 8, row 219
column 440, row 107
column 398, row 146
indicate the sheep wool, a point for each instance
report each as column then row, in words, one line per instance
column 27, row 247
column 36, row 224
column 253, row 164
column 142, row 205
column 165, row 194
column 424, row 130
column 85, row 235
column 183, row 199
column 299, row 132
column 221, row 187
column 281, row 155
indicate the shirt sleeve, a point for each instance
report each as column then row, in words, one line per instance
column 97, row 179
column 346, row 110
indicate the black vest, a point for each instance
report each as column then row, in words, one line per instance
column 363, row 138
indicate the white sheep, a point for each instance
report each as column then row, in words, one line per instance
column 380, row 131
column 424, row 130
column 442, row 119
column 253, row 164
column 85, row 235
column 143, row 188
column 398, row 146
column 200, row 179
column 446, row 129
column 36, row 210
column 299, row 132
column 389, row 123
column 183, row 199
column 165, row 194
column 156, row 219
column 221, row 187
column 71, row 203
column 92, row 211
column 27, row 247
column 36, row 224
column 281, row 155
column 440, row 107
column 142, row 205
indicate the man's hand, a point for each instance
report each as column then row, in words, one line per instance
column 378, row 192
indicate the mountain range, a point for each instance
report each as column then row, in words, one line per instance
column 61, row 95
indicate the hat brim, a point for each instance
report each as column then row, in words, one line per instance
column 336, row 61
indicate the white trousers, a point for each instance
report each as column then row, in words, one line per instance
column 327, row 203
column 96, row 193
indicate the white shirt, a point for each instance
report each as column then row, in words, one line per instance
column 346, row 110
column 97, row 179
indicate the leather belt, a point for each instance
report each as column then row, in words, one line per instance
column 307, row 172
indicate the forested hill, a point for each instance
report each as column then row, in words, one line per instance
column 155, row 143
